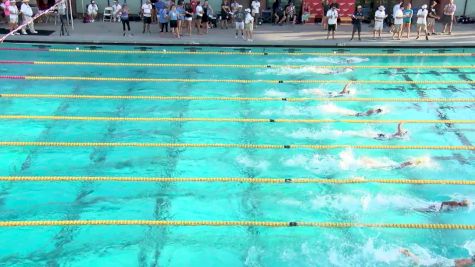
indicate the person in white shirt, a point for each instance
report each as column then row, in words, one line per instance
column 422, row 21
column 92, row 10
column 379, row 17
column 398, row 18
column 147, row 16
column 248, row 24
column 332, row 17
column 396, row 8
column 13, row 19
column 116, row 7
column 256, row 5
column 62, row 11
column 199, row 12
column 27, row 13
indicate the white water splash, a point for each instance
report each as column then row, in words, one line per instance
column 248, row 162
column 275, row 93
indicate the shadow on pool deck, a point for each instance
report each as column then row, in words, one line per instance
column 310, row 35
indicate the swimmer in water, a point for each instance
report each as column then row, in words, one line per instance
column 369, row 112
column 457, row 262
column 414, row 162
column 400, row 133
column 345, row 91
column 445, row 206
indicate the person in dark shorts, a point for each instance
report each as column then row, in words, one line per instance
column 356, row 21
column 147, row 16
column 173, row 15
column 332, row 16
column 225, row 10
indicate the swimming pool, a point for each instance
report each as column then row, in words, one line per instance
column 209, row 112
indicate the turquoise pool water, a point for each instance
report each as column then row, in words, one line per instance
column 233, row 246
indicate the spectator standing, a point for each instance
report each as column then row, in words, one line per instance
column 326, row 8
column 205, row 18
column 27, row 13
column 62, row 9
column 124, row 18
column 225, row 14
column 116, row 7
column 198, row 16
column 379, row 17
column 255, row 12
column 398, row 20
column 146, row 11
column 13, row 19
column 163, row 20
column 180, row 9
column 431, row 18
column 188, row 17
column 248, row 25
column 396, row 8
column 173, row 14
column 448, row 19
column 332, row 16
column 92, row 11
column 422, row 21
column 406, row 21
column 356, row 20
column 239, row 21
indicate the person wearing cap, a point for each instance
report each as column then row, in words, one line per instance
column 248, row 24
column 406, row 21
column 379, row 17
column 440, row 261
column 356, row 20
column 92, row 10
column 398, row 20
column 27, row 13
column 116, row 7
column 332, row 17
column 422, row 21
column 239, row 21
column 13, row 19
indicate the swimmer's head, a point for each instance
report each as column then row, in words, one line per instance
column 379, row 110
column 465, row 202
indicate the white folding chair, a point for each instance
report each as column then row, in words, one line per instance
column 107, row 14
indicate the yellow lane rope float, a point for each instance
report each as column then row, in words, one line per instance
column 250, row 53
column 119, row 79
column 242, row 120
column 212, row 98
column 122, row 64
column 356, row 180
column 217, row 145
column 239, row 223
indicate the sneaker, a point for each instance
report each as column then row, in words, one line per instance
column 34, row 32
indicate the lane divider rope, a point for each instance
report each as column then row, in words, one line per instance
column 130, row 64
column 118, row 79
column 250, row 120
column 217, row 145
column 238, row 223
column 211, row 98
column 250, row 53
column 356, row 180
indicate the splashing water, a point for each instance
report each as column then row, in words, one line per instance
column 248, row 162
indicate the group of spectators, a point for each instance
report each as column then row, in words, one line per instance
column 401, row 21
column 183, row 18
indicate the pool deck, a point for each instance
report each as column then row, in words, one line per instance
column 310, row 35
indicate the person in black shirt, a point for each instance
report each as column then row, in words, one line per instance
column 326, row 7
column 356, row 21
column 431, row 18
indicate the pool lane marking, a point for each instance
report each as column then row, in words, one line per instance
column 242, row 120
column 122, row 64
column 237, row 224
column 250, row 53
column 217, row 145
column 161, row 80
column 358, row 180
column 212, row 98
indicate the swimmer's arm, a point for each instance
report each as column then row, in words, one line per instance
column 411, row 255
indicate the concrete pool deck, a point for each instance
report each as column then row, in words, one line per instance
column 310, row 35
